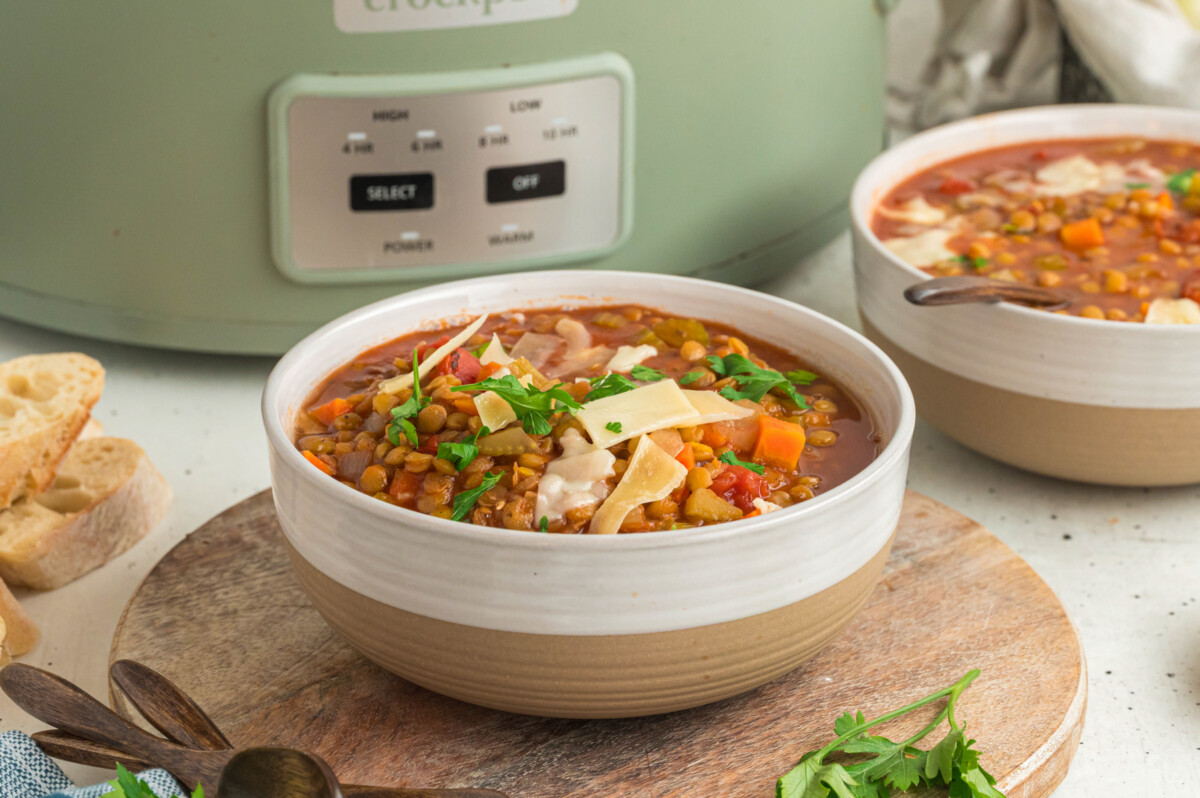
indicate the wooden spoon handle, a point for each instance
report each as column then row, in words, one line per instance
column 406, row 792
column 167, row 708
column 69, row 748
column 56, row 701
column 966, row 289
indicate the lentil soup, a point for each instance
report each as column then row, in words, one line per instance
column 598, row 420
column 1112, row 223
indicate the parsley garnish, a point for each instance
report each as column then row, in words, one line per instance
column 1181, row 182
column 608, row 385
column 646, row 374
column 894, row 766
column 1132, row 186
column 731, row 459
column 753, row 381
column 463, row 452
column 464, row 501
column 801, row 377
column 690, row 377
column 532, row 407
column 974, row 263
column 544, row 524
column 127, row 785
column 613, row 427
column 401, row 415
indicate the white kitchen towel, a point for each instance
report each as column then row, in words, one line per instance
column 26, row 772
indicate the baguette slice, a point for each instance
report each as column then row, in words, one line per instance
column 106, row 497
column 18, row 633
column 45, row 401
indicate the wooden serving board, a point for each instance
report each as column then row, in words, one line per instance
column 222, row 616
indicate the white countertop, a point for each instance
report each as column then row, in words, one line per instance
column 1126, row 563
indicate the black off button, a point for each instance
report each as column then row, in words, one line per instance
column 411, row 192
column 515, row 183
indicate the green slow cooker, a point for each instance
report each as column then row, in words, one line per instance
column 227, row 176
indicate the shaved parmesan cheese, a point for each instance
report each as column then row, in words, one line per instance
column 652, row 475
column 629, row 356
column 669, row 440
column 537, row 348
column 1068, row 176
column 916, row 210
column 494, row 353
column 710, row 406
column 402, row 381
column 577, row 478
column 652, row 407
column 494, row 412
column 766, row 506
column 1173, row 311
column 575, row 334
column 922, row 249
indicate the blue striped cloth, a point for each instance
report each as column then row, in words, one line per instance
column 26, row 772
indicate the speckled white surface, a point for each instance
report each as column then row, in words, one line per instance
column 1126, row 563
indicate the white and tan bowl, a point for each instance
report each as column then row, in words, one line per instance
column 1094, row 401
column 579, row 626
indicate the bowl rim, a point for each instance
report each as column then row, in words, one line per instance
column 867, row 183
column 896, row 449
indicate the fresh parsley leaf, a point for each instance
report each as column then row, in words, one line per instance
column 127, row 785
column 462, row 452
column 608, row 385
column 1132, row 186
column 801, row 377
column 646, row 374
column 690, row 377
column 974, row 263
column 532, row 407
column 544, row 524
column 882, row 765
column 401, row 414
column 731, row 459
column 1181, row 182
column 465, row 501
column 613, row 427
column 753, row 381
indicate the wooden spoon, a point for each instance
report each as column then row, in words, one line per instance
column 169, row 709
column 277, row 773
column 966, row 289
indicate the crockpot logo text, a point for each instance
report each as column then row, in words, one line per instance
column 373, row 16
column 483, row 6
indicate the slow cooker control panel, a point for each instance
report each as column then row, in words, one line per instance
column 440, row 176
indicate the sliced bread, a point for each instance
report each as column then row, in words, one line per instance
column 17, row 632
column 45, row 401
column 106, row 497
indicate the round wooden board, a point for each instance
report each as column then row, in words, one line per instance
column 223, row 617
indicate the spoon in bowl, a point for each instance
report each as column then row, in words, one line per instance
column 966, row 289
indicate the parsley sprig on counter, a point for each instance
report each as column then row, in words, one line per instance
column 465, row 501
column 532, row 407
column 402, row 415
column 753, row 381
column 127, row 785
column 889, row 765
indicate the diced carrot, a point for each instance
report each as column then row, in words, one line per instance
column 1084, row 234
column 1164, row 200
column 465, row 404
column 404, row 486
column 327, row 412
column 779, row 444
column 687, row 456
column 713, row 435
column 752, row 513
column 487, row 370
column 319, row 463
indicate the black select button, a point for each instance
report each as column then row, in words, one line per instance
column 409, row 192
column 515, row 183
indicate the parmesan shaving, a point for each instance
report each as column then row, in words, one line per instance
column 651, row 407
column 1173, row 311
column 494, row 412
column 710, row 406
column 916, row 211
column 494, row 353
column 765, row 506
column 922, row 249
column 1068, row 176
column 576, row 478
column 652, row 475
column 629, row 356
column 402, row 381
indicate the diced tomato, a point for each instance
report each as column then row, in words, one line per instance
column 1040, row 155
column 954, row 186
column 404, row 486
column 741, row 486
column 429, row 445
column 424, row 349
column 462, row 364
column 1190, row 288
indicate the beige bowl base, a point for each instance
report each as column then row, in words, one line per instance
column 1084, row 443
